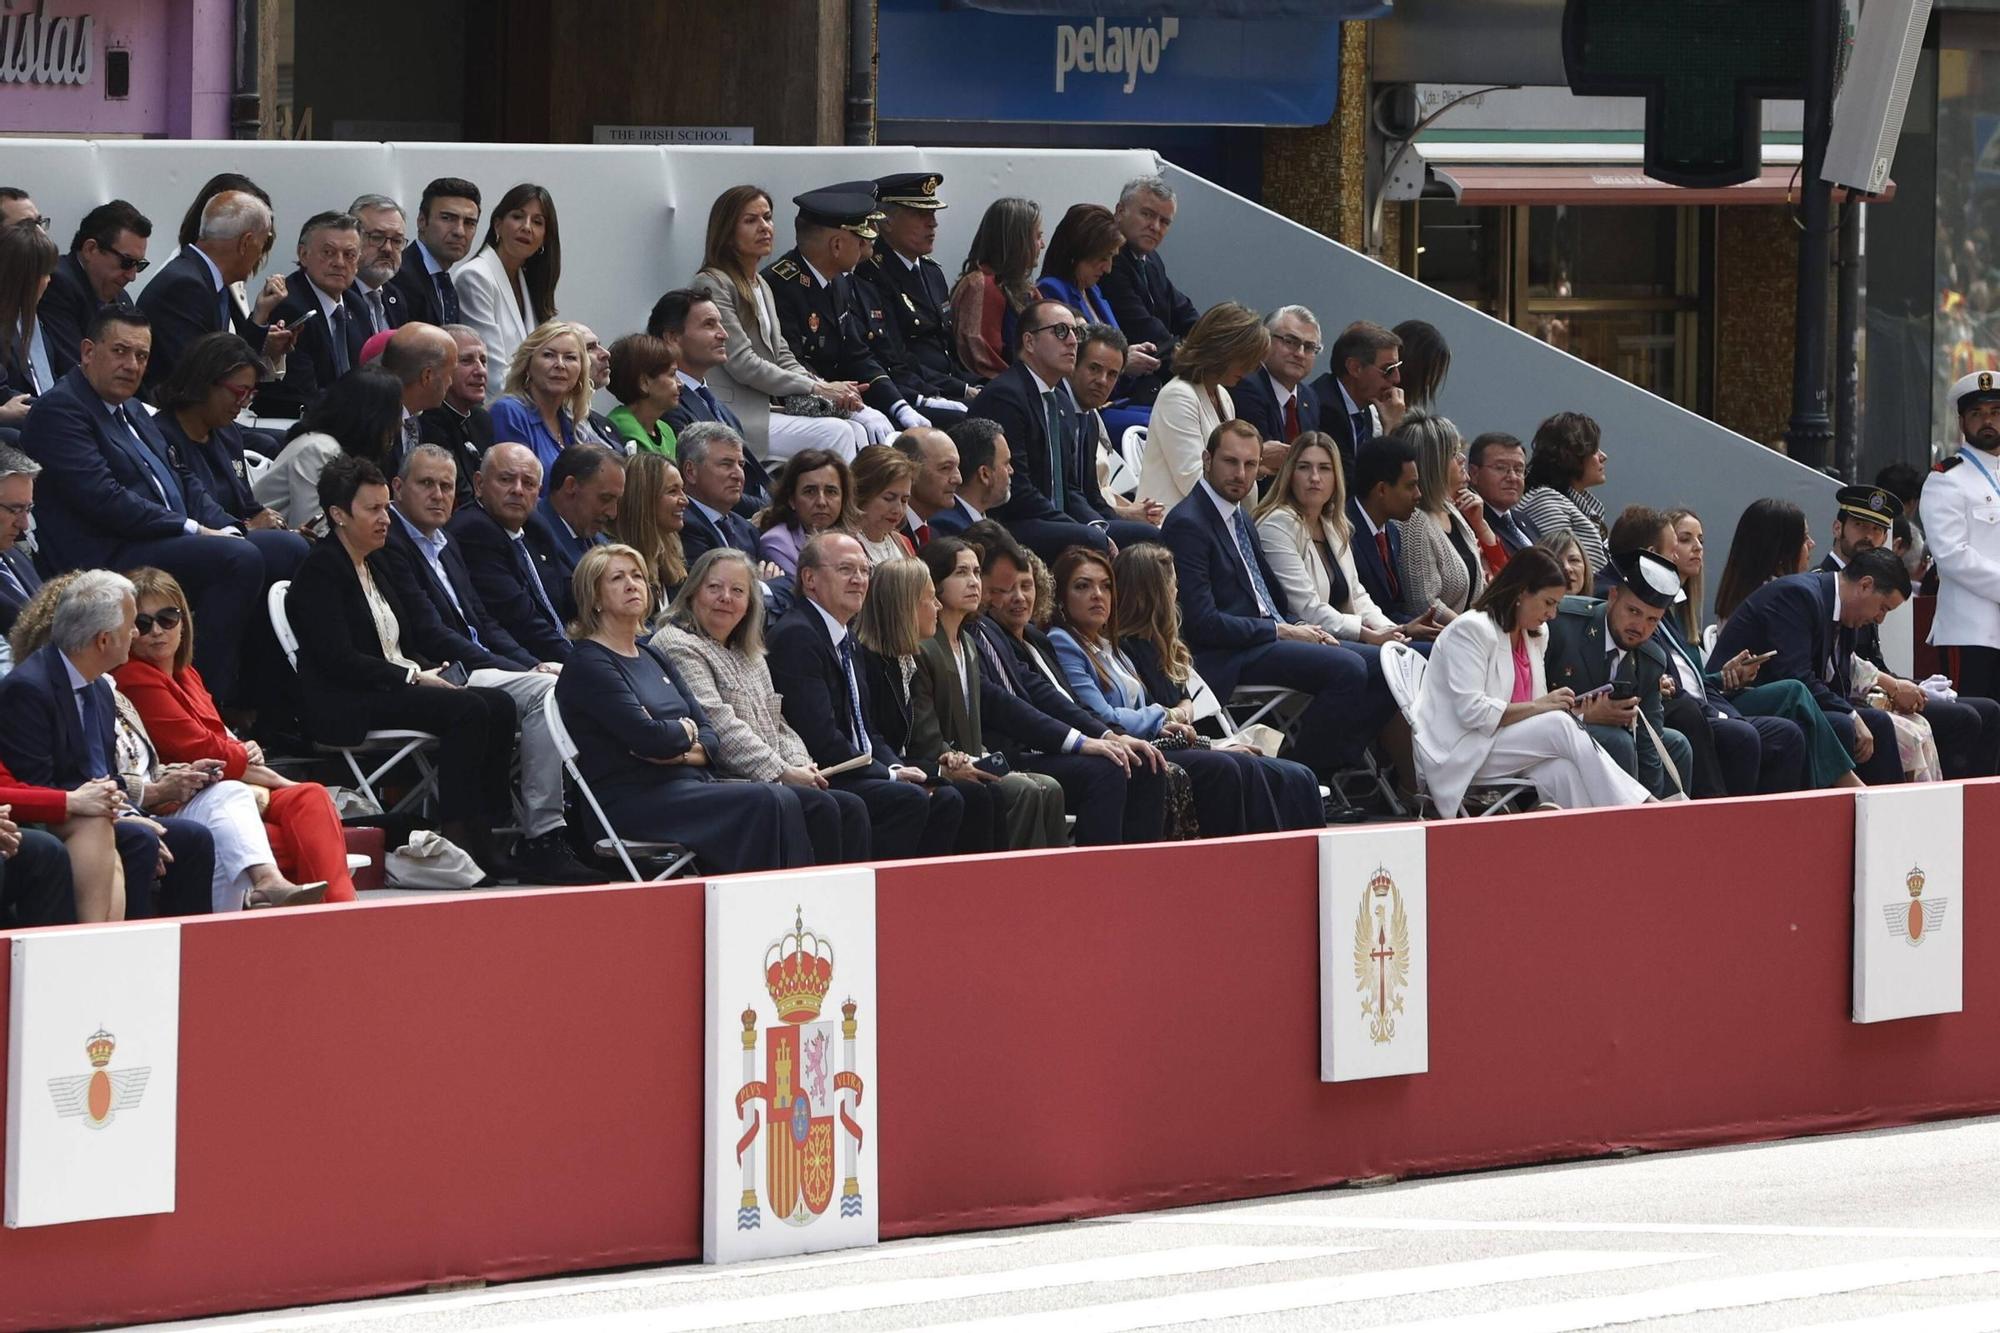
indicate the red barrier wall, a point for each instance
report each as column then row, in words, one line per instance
column 381, row 1097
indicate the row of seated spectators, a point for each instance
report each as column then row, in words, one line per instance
column 854, row 640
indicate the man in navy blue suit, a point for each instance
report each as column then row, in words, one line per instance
column 1236, row 620
column 1360, row 395
column 190, row 296
column 18, row 578
column 107, row 253
column 691, row 322
column 1809, row 623
column 447, row 227
column 985, row 476
column 113, row 495
column 322, row 305
column 1383, row 491
column 585, row 487
column 712, row 460
column 1496, row 467
column 1149, row 309
column 1275, row 397
column 57, row 729
column 510, row 567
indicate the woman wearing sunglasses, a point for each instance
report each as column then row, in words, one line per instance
column 199, row 401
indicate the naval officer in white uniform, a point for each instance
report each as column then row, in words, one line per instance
column 1961, row 508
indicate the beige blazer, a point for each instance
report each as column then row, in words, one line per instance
column 1175, row 437
column 1302, row 574
column 486, row 304
column 761, row 364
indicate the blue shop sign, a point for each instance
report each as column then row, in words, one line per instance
column 943, row 60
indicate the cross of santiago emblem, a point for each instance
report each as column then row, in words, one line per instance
column 1381, row 955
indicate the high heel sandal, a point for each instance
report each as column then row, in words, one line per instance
column 303, row 896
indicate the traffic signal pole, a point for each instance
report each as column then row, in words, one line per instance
column 1809, row 435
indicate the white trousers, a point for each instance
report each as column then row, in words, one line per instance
column 228, row 810
column 1565, row 764
column 541, row 764
column 841, row 435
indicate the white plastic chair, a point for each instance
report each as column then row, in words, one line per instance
column 255, row 465
column 1403, row 667
column 415, row 746
column 676, row 857
column 1133, row 446
column 1708, row 638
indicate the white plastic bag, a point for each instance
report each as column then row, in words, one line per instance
column 431, row 861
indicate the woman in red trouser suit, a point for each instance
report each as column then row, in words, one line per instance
column 182, row 720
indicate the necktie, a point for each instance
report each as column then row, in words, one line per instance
column 536, row 591
column 854, row 730
column 708, row 401
column 447, row 295
column 163, row 476
column 995, row 668
column 93, row 732
column 923, row 535
column 1503, row 527
column 1055, row 419
column 1248, row 549
column 1291, row 418
column 736, row 530
column 337, row 335
column 1359, row 420
column 378, row 318
column 41, row 375
column 222, row 311
column 1388, row 563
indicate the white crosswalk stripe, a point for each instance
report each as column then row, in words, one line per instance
column 1971, row 1317
column 1307, row 1293
column 1693, row 1298
column 828, row 1301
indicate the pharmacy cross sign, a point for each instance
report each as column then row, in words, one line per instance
column 1704, row 68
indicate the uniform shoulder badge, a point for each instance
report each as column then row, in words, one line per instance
column 786, row 269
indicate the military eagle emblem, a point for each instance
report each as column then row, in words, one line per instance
column 1381, row 955
column 102, row 1093
column 1922, row 916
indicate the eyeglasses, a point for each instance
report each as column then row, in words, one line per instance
column 240, row 392
column 167, row 617
column 1298, row 344
column 1391, row 368
column 395, row 240
column 1504, row 469
column 1063, row 332
column 18, row 511
column 43, row 221
column 126, row 262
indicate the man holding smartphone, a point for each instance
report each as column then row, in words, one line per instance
column 1607, row 652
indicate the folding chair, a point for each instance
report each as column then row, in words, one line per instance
column 1133, row 446
column 1708, row 638
column 676, row 857
column 255, row 465
column 1280, row 707
column 400, row 744
column 1403, row 666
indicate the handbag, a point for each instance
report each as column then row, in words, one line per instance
column 431, row 861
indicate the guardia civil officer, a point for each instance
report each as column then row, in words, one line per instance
column 1961, row 510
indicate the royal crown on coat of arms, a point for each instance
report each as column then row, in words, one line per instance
column 99, row 1048
column 798, row 972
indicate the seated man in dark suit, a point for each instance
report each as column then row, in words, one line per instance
column 1384, row 491
column 1612, row 643
column 1111, row 782
column 1235, row 618
column 191, row 296
column 712, row 459
column 1049, row 509
column 58, row 729
column 112, row 495
column 510, row 572
column 1100, row 365
column 447, row 226
column 106, row 254
column 1149, row 309
column 1275, row 397
column 1496, row 468
column 811, row 651
column 1967, row 729
column 1808, row 623
column 985, row 476
column 691, row 322
column 585, row 487
column 18, row 579
column 461, row 425
column 1361, row 397
column 321, row 304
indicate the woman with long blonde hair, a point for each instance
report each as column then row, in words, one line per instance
column 650, row 516
column 546, row 393
column 1225, row 344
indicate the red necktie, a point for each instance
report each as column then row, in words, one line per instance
column 1291, row 418
column 923, row 535
column 1388, row 565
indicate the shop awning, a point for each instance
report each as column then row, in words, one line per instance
column 1188, row 9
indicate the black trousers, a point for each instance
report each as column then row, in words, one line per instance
column 1110, row 806
column 35, row 884
column 1884, row 766
column 475, row 727
column 187, row 887
column 1967, row 730
column 907, row 820
column 1976, row 670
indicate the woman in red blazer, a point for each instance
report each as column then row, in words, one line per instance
column 181, row 717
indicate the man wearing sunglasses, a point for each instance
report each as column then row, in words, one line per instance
column 1049, row 510
column 107, row 253
column 1361, row 396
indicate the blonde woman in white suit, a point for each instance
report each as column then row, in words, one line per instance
column 508, row 288
column 1302, row 526
column 1485, row 712
column 1225, row 344
column 761, row 366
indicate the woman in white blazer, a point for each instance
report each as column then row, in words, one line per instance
column 761, row 367
column 509, row 286
column 1225, row 344
column 1485, row 713
column 1302, row 526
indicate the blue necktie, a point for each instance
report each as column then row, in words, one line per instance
column 534, row 577
column 1248, row 549
column 708, row 401
column 337, row 334
column 163, row 476
column 855, row 732
column 223, row 310
column 93, row 733
column 1359, row 420
column 447, row 295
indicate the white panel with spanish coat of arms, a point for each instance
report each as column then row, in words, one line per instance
column 1909, row 890
column 93, row 1073
column 1374, row 953
column 791, row 1146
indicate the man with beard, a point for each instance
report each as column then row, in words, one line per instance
column 383, row 237
column 1962, row 524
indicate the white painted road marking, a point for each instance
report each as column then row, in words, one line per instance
column 1253, row 1217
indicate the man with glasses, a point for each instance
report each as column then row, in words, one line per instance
column 1496, row 467
column 1049, row 510
column 18, row 579
column 16, row 206
column 1360, row 396
column 1275, row 397
column 106, row 254
column 383, row 239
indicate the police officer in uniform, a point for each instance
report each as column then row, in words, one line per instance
column 914, row 291
column 1593, row 644
column 1967, row 729
column 817, row 303
column 1961, row 508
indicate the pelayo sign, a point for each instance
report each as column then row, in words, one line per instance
column 943, row 60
